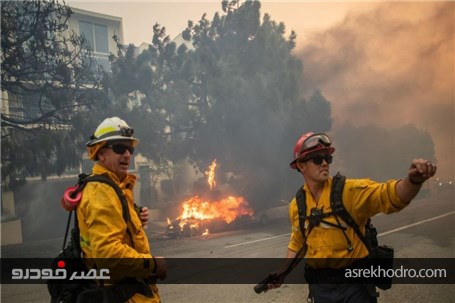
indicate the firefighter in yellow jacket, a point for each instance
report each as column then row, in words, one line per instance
column 107, row 240
column 334, row 248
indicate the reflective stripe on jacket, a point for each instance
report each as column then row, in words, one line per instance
column 104, row 236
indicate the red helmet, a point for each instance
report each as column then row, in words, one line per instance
column 309, row 143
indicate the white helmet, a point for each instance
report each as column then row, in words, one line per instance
column 112, row 129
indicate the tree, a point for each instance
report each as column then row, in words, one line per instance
column 150, row 91
column 48, row 80
column 247, row 83
column 233, row 95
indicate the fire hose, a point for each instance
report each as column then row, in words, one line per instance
column 279, row 277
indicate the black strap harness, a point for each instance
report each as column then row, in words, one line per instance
column 83, row 180
column 317, row 216
column 92, row 290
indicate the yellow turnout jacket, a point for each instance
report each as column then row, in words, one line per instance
column 362, row 199
column 103, row 232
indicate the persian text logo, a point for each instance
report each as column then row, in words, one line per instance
column 58, row 274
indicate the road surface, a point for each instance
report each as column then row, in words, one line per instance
column 425, row 229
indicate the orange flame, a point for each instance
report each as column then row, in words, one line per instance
column 196, row 209
column 211, row 174
column 227, row 209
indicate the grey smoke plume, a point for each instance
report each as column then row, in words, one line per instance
column 389, row 67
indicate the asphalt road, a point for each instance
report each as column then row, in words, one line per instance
column 425, row 229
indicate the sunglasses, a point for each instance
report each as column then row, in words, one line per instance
column 121, row 148
column 319, row 158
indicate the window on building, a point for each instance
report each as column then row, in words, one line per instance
column 96, row 35
column 98, row 39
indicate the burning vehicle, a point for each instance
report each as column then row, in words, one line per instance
column 199, row 215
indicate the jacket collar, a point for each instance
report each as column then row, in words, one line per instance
column 127, row 182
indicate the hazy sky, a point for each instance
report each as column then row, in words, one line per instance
column 140, row 16
column 382, row 63
column 390, row 66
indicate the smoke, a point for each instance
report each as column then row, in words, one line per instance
column 38, row 205
column 389, row 67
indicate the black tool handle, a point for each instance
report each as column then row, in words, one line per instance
column 262, row 286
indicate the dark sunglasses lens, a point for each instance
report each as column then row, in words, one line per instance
column 121, row 149
column 318, row 159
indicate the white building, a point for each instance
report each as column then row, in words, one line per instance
column 99, row 30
